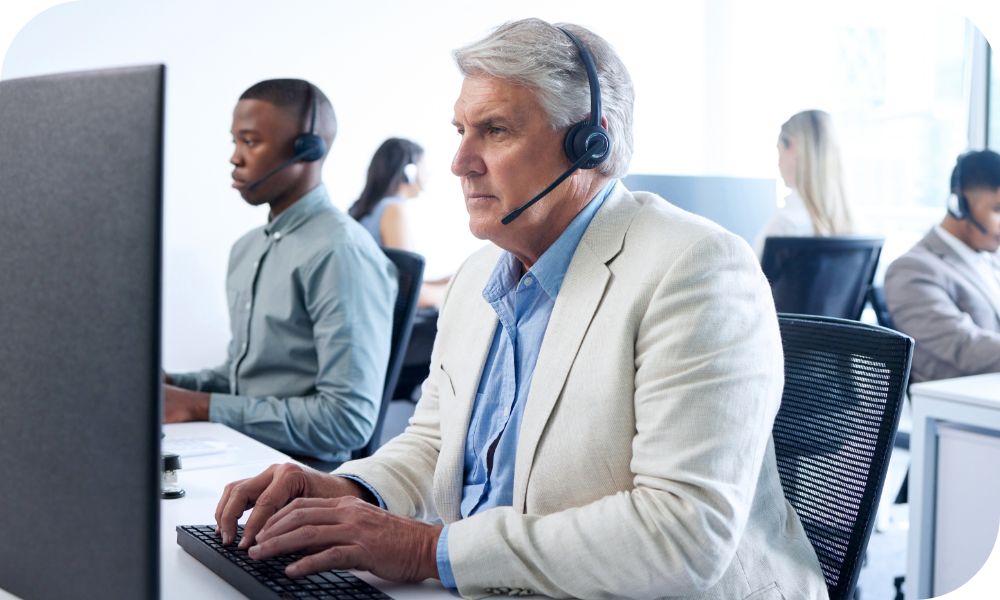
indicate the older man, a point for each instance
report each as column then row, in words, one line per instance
column 597, row 420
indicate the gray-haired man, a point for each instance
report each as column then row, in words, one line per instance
column 597, row 419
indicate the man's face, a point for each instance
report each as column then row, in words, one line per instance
column 509, row 153
column 263, row 137
column 984, row 204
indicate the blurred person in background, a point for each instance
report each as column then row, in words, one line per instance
column 810, row 165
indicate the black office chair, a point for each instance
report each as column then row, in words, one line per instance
column 417, row 361
column 410, row 267
column 876, row 297
column 833, row 434
column 827, row 276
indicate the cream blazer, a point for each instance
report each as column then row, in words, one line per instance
column 645, row 466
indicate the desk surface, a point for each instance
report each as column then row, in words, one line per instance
column 980, row 390
column 203, row 478
column 234, row 456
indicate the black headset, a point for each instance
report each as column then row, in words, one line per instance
column 958, row 204
column 307, row 147
column 588, row 138
column 310, row 147
column 587, row 144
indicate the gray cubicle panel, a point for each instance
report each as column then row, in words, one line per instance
column 80, row 213
column 741, row 205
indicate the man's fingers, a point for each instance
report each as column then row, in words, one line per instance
column 337, row 557
column 270, row 501
column 304, row 540
column 236, row 499
column 223, row 501
column 299, row 513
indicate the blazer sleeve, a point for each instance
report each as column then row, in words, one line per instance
column 402, row 470
column 921, row 305
column 708, row 379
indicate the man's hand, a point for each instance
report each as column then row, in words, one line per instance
column 348, row 533
column 180, row 405
column 270, row 491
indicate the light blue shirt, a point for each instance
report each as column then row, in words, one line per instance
column 523, row 305
column 310, row 309
column 373, row 220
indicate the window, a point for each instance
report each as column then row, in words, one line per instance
column 993, row 101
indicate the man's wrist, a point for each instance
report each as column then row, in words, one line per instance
column 430, row 553
column 354, row 488
column 202, row 404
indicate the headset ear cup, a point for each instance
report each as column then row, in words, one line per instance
column 957, row 206
column 309, row 147
column 409, row 173
column 584, row 138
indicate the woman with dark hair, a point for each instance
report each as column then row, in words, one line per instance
column 394, row 177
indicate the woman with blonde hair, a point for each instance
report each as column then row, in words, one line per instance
column 809, row 161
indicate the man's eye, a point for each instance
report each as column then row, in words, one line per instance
column 496, row 130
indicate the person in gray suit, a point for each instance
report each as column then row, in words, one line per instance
column 945, row 292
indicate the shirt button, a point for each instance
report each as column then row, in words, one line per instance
column 528, row 281
column 277, row 235
column 247, row 306
column 256, row 264
column 244, row 346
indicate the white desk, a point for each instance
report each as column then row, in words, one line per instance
column 964, row 401
column 203, row 477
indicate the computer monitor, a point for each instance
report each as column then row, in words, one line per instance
column 80, row 222
column 740, row 204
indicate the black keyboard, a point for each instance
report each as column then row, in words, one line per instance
column 266, row 579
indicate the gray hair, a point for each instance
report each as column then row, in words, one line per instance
column 539, row 56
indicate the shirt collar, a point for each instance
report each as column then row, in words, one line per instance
column 551, row 267
column 974, row 258
column 315, row 200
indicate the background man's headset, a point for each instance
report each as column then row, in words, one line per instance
column 307, row 147
column 587, row 144
column 958, row 204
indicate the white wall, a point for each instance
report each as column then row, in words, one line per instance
column 714, row 80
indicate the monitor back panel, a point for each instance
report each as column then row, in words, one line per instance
column 740, row 204
column 80, row 222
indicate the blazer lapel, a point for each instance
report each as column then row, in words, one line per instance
column 972, row 277
column 462, row 365
column 579, row 298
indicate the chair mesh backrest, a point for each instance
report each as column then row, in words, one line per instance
column 827, row 276
column 410, row 276
column 876, row 297
column 833, row 434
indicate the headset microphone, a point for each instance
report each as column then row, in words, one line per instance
column 291, row 161
column 587, row 144
column 520, row 209
column 307, row 147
